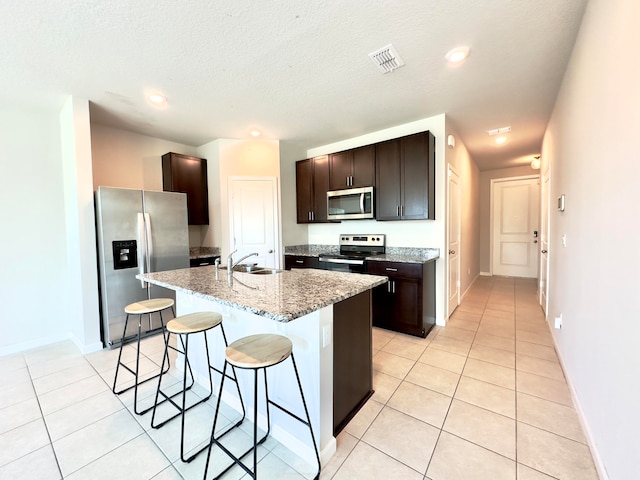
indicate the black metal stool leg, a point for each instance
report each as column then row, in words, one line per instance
column 115, row 379
column 306, row 412
column 135, row 385
column 169, row 398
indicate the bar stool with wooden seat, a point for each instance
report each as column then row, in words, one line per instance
column 259, row 352
column 185, row 326
column 143, row 307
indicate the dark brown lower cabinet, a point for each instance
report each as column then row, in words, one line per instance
column 300, row 261
column 352, row 358
column 406, row 303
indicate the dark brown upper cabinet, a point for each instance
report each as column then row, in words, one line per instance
column 182, row 173
column 405, row 178
column 352, row 168
column 312, row 184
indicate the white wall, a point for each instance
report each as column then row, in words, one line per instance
column 82, row 292
column 408, row 233
column 234, row 158
column 34, row 275
column 130, row 160
column 469, row 174
column 590, row 146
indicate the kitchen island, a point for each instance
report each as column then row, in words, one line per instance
column 310, row 307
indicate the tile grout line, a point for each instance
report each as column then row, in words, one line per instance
column 444, row 421
column 55, row 456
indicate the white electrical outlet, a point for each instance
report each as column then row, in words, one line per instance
column 564, row 239
column 558, row 322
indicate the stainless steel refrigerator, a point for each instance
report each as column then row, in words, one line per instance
column 138, row 231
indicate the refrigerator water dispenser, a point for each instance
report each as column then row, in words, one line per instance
column 125, row 254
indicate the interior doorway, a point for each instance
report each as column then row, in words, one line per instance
column 453, row 240
column 514, row 226
column 254, row 220
column 543, row 283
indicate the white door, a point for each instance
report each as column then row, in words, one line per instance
column 253, row 218
column 543, row 285
column 453, row 207
column 515, row 219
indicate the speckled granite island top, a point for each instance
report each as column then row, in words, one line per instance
column 281, row 297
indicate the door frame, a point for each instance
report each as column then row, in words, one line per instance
column 450, row 171
column 277, row 229
column 545, row 206
column 491, row 216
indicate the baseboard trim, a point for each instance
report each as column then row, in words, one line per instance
column 486, row 274
column 597, row 459
column 49, row 340
column 38, row 342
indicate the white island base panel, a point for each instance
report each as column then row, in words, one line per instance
column 312, row 337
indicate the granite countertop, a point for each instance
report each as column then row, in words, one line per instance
column 392, row 254
column 203, row 252
column 281, row 297
column 311, row 250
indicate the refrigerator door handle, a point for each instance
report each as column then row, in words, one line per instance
column 147, row 226
column 142, row 248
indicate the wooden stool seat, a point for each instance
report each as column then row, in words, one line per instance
column 148, row 306
column 258, row 351
column 194, row 322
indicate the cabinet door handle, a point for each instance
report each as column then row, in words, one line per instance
column 299, row 261
column 397, row 210
column 452, row 252
column 402, row 210
column 543, row 251
column 389, row 269
column 393, row 286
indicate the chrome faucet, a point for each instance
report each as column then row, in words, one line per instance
column 231, row 264
column 230, row 260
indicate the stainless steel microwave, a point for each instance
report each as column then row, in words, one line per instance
column 352, row 204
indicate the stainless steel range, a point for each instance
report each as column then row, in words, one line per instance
column 354, row 249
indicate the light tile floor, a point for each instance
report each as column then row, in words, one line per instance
column 483, row 398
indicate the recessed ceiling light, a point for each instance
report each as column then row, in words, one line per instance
column 500, row 140
column 157, row 99
column 255, row 133
column 457, row 55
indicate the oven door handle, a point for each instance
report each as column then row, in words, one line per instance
column 342, row 260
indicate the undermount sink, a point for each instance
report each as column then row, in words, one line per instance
column 246, row 267
column 266, row 271
column 253, row 269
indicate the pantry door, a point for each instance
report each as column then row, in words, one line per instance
column 253, row 218
column 515, row 212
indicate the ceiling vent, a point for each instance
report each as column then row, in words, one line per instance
column 386, row 59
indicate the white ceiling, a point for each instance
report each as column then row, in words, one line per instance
column 297, row 70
